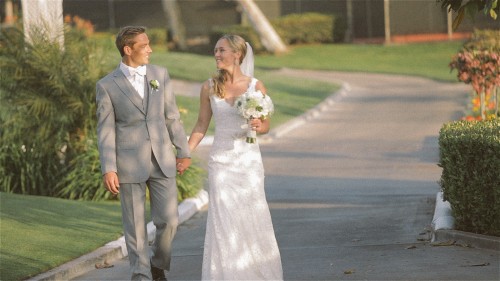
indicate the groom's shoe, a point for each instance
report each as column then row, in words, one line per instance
column 158, row 274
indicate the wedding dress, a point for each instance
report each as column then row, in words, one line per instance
column 239, row 243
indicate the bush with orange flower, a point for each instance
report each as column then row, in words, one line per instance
column 478, row 64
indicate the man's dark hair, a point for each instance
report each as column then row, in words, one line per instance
column 126, row 35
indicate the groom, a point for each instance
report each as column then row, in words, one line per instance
column 138, row 124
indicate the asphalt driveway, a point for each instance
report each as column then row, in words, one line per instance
column 352, row 187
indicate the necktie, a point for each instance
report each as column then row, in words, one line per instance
column 138, row 74
column 141, row 70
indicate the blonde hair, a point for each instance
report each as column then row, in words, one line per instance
column 237, row 44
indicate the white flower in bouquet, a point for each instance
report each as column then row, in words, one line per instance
column 254, row 105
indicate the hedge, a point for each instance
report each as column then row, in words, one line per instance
column 486, row 39
column 307, row 28
column 470, row 180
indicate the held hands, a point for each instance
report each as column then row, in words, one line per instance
column 182, row 164
column 111, row 182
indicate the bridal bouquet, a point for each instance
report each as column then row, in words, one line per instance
column 254, row 105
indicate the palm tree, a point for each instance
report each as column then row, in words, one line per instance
column 45, row 16
column 269, row 37
column 175, row 26
column 47, row 107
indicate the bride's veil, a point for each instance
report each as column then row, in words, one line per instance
column 247, row 65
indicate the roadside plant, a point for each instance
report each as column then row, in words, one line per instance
column 481, row 69
column 47, row 116
column 46, row 106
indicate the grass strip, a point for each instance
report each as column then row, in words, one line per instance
column 39, row 233
column 429, row 60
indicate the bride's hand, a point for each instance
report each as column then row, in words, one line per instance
column 255, row 124
column 259, row 126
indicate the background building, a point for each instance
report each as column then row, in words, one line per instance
column 365, row 20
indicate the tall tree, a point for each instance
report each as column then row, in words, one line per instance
column 269, row 37
column 175, row 25
column 45, row 16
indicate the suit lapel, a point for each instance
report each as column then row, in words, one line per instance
column 127, row 89
column 147, row 95
column 150, row 92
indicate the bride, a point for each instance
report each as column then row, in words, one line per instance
column 239, row 242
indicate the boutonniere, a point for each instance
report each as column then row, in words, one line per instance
column 155, row 85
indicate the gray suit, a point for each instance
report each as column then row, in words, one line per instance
column 136, row 138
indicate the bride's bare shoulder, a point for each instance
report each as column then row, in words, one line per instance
column 206, row 87
column 260, row 87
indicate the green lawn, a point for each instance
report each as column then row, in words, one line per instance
column 428, row 60
column 39, row 233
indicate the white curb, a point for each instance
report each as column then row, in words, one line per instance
column 116, row 249
column 443, row 218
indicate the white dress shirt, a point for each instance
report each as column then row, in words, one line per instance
column 135, row 76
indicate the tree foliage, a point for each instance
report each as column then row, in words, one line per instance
column 47, row 114
column 47, row 107
column 471, row 8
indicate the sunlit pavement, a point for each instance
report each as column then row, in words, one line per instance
column 352, row 188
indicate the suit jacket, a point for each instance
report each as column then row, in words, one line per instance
column 129, row 132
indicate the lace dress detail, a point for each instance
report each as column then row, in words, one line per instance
column 239, row 242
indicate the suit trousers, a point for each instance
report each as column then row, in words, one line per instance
column 164, row 214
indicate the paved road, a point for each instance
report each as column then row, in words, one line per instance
column 352, row 190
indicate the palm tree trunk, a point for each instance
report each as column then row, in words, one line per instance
column 175, row 26
column 44, row 16
column 268, row 36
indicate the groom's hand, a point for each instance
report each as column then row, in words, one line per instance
column 111, row 182
column 182, row 164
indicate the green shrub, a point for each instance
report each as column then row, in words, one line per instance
column 47, row 111
column 191, row 182
column 470, row 158
column 157, row 36
column 246, row 32
column 305, row 28
column 487, row 39
column 47, row 102
column 84, row 180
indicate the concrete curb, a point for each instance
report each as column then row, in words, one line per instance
column 443, row 219
column 442, row 229
column 468, row 239
column 116, row 250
